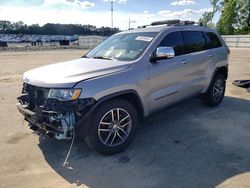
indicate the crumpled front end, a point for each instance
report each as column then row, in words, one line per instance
column 51, row 116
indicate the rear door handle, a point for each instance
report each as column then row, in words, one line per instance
column 210, row 55
column 185, row 61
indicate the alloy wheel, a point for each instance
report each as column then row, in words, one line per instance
column 114, row 127
column 218, row 90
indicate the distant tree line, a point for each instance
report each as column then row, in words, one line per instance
column 7, row 27
column 234, row 17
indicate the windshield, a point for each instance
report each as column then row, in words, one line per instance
column 123, row 47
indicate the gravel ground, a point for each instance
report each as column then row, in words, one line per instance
column 189, row 146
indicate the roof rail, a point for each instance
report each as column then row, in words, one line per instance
column 187, row 22
column 173, row 22
column 166, row 22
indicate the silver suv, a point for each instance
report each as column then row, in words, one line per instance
column 105, row 94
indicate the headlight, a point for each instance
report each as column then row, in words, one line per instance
column 64, row 94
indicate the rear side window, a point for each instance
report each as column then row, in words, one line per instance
column 212, row 40
column 194, row 41
column 175, row 41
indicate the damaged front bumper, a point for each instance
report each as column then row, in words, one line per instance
column 54, row 117
column 37, row 121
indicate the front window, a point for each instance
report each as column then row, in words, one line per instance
column 175, row 41
column 123, row 47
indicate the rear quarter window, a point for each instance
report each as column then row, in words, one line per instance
column 212, row 40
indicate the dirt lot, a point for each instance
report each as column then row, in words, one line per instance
column 186, row 146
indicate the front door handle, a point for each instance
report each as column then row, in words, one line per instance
column 185, row 61
column 210, row 55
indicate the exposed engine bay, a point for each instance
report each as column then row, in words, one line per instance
column 66, row 122
column 51, row 116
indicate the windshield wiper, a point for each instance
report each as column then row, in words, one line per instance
column 101, row 57
column 85, row 56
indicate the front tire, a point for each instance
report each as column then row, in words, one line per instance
column 113, row 127
column 215, row 94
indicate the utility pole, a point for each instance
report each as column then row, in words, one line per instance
column 129, row 24
column 112, row 13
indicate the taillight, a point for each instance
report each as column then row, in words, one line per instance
column 228, row 51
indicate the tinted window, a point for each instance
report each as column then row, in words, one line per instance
column 175, row 41
column 194, row 41
column 212, row 40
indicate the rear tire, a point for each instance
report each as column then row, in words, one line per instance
column 215, row 94
column 113, row 127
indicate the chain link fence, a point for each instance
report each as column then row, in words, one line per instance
column 240, row 41
column 90, row 42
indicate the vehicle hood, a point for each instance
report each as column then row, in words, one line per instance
column 67, row 74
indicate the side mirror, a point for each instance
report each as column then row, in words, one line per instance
column 163, row 53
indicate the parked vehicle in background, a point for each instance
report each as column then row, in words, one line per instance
column 13, row 38
column 104, row 95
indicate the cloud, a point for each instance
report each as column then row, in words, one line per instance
column 44, row 15
column 118, row 1
column 86, row 4
column 183, row 2
column 184, row 14
column 122, row 1
column 75, row 3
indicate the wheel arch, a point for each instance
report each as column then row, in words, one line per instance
column 219, row 70
column 222, row 70
column 130, row 95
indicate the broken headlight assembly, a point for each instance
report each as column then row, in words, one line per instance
column 64, row 94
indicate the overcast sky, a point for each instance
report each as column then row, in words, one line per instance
column 97, row 12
